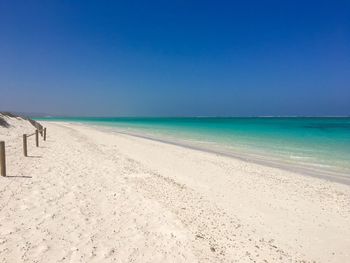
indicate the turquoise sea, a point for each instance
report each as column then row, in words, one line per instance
column 315, row 145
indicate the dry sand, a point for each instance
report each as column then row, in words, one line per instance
column 87, row 195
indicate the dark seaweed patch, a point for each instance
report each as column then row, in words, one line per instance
column 328, row 126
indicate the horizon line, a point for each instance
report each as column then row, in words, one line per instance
column 229, row 116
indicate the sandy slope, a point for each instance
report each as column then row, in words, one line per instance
column 87, row 195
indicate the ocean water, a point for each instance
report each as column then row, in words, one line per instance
column 316, row 145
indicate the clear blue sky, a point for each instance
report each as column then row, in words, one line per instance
column 175, row 58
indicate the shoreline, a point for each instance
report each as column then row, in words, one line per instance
column 125, row 198
column 249, row 158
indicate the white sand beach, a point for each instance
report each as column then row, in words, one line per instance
column 88, row 195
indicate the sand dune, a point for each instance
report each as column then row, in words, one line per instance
column 88, row 195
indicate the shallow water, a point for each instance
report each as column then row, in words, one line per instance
column 317, row 144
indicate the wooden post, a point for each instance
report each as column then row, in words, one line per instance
column 37, row 137
column 25, row 145
column 2, row 159
column 44, row 134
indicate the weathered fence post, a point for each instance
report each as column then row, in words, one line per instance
column 37, row 137
column 2, row 159
column 44, row 134
column 25, row 145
